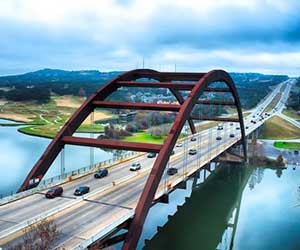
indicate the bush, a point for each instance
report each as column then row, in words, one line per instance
column 38, row 236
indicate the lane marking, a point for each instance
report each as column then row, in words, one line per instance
column 108, row 204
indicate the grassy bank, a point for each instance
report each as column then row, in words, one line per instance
column 276, row 128
column 287, row 145
column 291, row 113
column 144, row 137
column 50, row 131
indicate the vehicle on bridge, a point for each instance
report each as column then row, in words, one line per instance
column 82, row 190
column 135, row 166
column 54, row 192
column 193, row 139
column 101, row 173
column 192, row 151
column 151, row 155
column 172, row 171
column 220, row 126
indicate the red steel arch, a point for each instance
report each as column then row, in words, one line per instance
column 196, row 83
column 161, row 161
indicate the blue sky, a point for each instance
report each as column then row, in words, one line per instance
column 243, row 36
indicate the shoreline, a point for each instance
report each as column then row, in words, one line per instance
column 35, row 135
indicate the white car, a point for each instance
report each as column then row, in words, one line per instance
column 179, row 145
column 135, row 166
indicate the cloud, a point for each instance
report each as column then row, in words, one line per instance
column 114, row 35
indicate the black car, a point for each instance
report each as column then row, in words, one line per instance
column 231, row 135
column 219, row 138
column 82, row 190
column 172, row 171
column 54, row 192
column 101, row 173
column 193, row 139
column 247, row 127
column 237, row 128
column 151, row 155
column 192, row 151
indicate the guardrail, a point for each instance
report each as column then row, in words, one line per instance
column 104, row 232
column 69, row 176
column 26, row 223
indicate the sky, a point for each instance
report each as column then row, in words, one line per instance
column 237, row 36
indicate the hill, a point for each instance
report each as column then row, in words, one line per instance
column 57, row 75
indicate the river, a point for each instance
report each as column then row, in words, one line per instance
column 19, row 152
column 235, row 208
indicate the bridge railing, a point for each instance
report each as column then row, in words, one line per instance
column 68, row 176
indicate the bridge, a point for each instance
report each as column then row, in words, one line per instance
column 121, row 201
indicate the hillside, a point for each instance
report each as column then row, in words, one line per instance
column 39, row 85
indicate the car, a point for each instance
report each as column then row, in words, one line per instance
column 296, row 152
column 135, row 166
column 231, row 135
column 219, row 138
column 237, row 128
column 193, row 139
column 192, row 151
column 172, row 171
column 54, row 192
column 173, row 152
column 247, row 127
column 82, row 190
column 151, row 155
column 179, row 145
column 231, row 124
column 101, row 173
column 220, row 127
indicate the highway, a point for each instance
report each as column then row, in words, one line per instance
column 82, row 217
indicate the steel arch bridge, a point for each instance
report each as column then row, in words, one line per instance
column 195, row 83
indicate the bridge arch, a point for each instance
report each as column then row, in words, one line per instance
column 196, row 83
column 161, row 161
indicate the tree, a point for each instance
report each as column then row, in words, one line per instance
column 38, row 236
column 280, row 161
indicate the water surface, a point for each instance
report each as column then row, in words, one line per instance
column 19, row 152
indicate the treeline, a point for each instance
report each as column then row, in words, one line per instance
column 254, row 87
column 38, row 94
column 142, row 121
column 294, row 98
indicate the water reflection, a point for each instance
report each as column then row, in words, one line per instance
column 236, row 208
column 208, row 219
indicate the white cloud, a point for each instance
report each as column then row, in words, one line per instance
column 250, row 35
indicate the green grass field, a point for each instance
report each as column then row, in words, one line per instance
column 277, row 128
column 287, row 145
column 144, row 137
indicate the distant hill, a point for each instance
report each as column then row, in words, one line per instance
column 57, row 75
column 38, row 85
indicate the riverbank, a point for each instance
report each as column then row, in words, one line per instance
column 287, row 145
